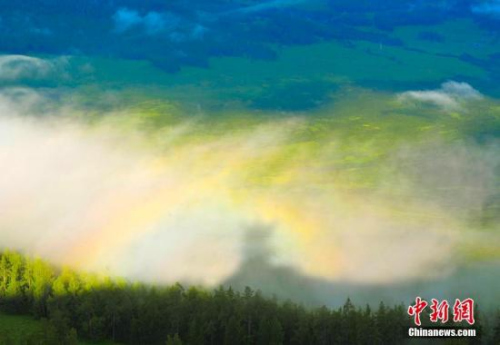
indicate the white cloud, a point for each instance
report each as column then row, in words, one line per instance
column 125, row 19
column 154, row 23
column 21, row 67
column 491, row 8
column 451, row 96
column 269, row 5
column 461, row 90
column 438, row 98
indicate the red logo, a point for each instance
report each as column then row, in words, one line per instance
column 417, row 309
column 462, row 310
column 439, row 311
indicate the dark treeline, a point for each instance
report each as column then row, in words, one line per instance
column 72, row 305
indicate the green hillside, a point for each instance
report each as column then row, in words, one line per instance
column 19, row 329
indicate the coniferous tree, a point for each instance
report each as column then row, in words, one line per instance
column 270, row 331
column 174, row 340
column 495, row 339
column 304, row 331
column 97, row 308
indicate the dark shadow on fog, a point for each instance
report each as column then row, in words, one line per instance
column 479, row 281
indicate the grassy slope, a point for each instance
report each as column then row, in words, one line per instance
column 17, row 325
column 312, row 70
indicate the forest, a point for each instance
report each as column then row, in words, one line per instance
column 73, row 305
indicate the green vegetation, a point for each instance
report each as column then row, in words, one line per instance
column 98, row 309
column 302, row 78
column 17, row 327
column 24, row 328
